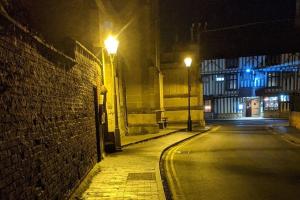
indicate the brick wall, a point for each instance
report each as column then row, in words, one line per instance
column 47, row 117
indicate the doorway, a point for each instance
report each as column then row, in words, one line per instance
column 252, row 107
column 255, row 108
column 97, row 123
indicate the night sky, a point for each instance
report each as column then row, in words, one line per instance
column 178, row 15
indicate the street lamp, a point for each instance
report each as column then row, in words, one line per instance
column 111, row 45
column 188, row 64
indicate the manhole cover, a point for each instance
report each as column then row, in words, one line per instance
column 141, row 176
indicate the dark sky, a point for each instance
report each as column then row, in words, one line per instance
column 178, row 15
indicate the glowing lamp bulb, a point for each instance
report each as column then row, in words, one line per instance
column 188, row 61
column 111, row 45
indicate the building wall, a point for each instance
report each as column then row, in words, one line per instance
column 137, row 34
column 227, row 107
column 252, row 80
column 176, row 87
column 295, row 119
column 47, row 120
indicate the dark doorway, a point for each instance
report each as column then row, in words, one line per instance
column 248, row 108
column 97, row 123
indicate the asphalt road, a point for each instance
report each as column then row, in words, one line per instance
column 237, row 160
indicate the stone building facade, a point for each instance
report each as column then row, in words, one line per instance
column 176, row 85
column 136, row 23
column 48, row 124
column 294, row 117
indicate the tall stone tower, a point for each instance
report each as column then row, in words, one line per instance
column 135, row 22
column 142, row 68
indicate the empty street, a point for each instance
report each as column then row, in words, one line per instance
column 235, row 160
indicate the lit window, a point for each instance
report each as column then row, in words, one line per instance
column 271, row 103
column 284, row 98
column 207, row 106
column 241, row 106
column 220, row 78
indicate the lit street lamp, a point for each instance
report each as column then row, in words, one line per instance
column 111, row 45
column 188, row 64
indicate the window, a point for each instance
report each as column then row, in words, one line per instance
column 284, row 98
column 205, row 79
column 271, row 103
column 232, row 63
column 246, row 79
column 241, row 106
column 273, row 79
column 207, row 106
column 288, row 78
column 273, row 60
column 231, row 81
column 220, row 78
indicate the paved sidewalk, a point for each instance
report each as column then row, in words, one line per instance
column 287, row 132
column 131, row 174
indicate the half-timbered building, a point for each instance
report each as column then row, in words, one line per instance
column 250, row 86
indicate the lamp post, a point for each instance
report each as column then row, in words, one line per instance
column 111, row 45
column 188, row 64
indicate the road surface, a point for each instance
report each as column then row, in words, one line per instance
column 237, row 160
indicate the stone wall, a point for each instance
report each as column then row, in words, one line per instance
column 138, row 46
column 176, row 86
column 295, row 119
column 135, row 24
column 47, row 116
column 276, row 114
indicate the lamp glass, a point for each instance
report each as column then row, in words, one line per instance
column 111, row 45
column 188, row 61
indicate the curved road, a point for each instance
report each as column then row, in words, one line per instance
column 235, row 161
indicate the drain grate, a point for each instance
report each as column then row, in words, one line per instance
column 141, row 176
